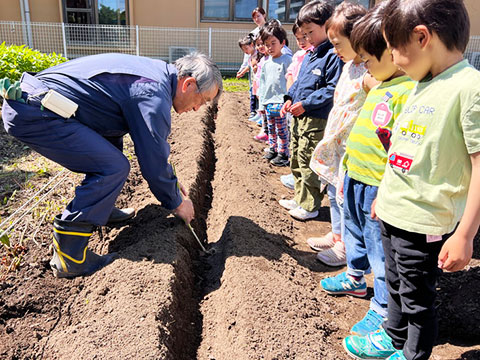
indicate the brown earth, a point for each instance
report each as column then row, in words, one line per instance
column 257, row 297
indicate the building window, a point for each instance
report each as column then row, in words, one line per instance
column 110, row 12
column 241, row 10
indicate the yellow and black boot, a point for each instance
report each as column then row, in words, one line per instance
column 71, row 257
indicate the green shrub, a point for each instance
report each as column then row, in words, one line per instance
column 15, row 60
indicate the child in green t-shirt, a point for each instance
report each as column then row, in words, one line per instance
column 429, row 198
column 364, row 161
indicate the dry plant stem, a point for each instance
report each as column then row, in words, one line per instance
column 36, row 230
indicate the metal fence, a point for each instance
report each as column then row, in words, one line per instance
column 72, row 41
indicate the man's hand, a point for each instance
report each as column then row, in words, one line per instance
column 456, row 253
column 10, row 91
column 182, row 189
column 297, row 109
column 285, row 108
column 185, row 211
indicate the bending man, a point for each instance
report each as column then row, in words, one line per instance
column 116, row 94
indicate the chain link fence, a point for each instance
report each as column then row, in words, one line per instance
column 168, row 44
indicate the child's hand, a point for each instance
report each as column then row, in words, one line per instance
column 297, row 109
column 373, row 214
column 285, row 108
column 456, row 253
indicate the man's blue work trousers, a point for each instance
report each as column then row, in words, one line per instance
column 79, row 149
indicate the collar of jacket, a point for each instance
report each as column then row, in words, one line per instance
column 320, row 50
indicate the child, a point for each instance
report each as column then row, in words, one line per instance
column 309, row 100
column 350, row 94
column 292, row 74
column 272, row 91
column 429, row 200
column 261, row 57
column 364, row 161
column 248, row 48
column 297, row 58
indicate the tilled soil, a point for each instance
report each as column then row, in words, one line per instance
column 256, row 297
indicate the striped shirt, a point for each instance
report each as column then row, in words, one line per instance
column 365, row 156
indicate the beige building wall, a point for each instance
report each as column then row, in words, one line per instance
column 175, row 13
column 10, row 10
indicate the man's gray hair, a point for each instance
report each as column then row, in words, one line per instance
column 203, row 69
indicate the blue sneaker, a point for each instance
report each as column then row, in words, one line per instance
column 397, row 355
column 343, row 284
column 370, row 323
column 377, row 345
column 288, row 181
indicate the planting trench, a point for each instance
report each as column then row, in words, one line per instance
column 256, row 298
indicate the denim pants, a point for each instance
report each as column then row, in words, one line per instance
column 336, row 210
column 363, row 241
column 412, row 272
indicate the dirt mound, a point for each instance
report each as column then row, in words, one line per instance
column 257, row 297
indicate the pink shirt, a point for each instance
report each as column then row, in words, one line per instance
column 297, row 60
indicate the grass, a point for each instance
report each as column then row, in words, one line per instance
column 232, row 84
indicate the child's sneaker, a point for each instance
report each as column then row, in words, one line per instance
column 371, row 322
column 397, row 355
column 270, row 155
column 288, row 204
column 344, row 284
column 261, row 137
column 252, row 115
column 300, row 213
column 288, row 181
column 280, row 160
column 376, row 345
column 321, row 243
column 260, row 121
column 255, row 117
column 335, row 256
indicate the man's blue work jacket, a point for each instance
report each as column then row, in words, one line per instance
column 316, row 81
column 119, row 94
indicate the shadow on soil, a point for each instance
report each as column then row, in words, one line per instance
column 243, row 237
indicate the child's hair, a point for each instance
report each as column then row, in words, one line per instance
column 295, row 28
column 367, row 32
column 344, row 17
column 273, row 29
column 258, row 55
column 259, row 10
column 317, row 11
column 447, row 18
column 246, row 40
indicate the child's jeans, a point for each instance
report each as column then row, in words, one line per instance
column 363, row 241
column 278, row 138
column 253, row 102
column 336, row 210
column 412, row 271
column 306, row 132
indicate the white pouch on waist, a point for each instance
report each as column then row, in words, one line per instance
column 59, row 104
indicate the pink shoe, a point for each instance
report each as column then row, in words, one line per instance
column 261, row 137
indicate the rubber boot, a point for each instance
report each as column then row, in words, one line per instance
column 71, row 257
